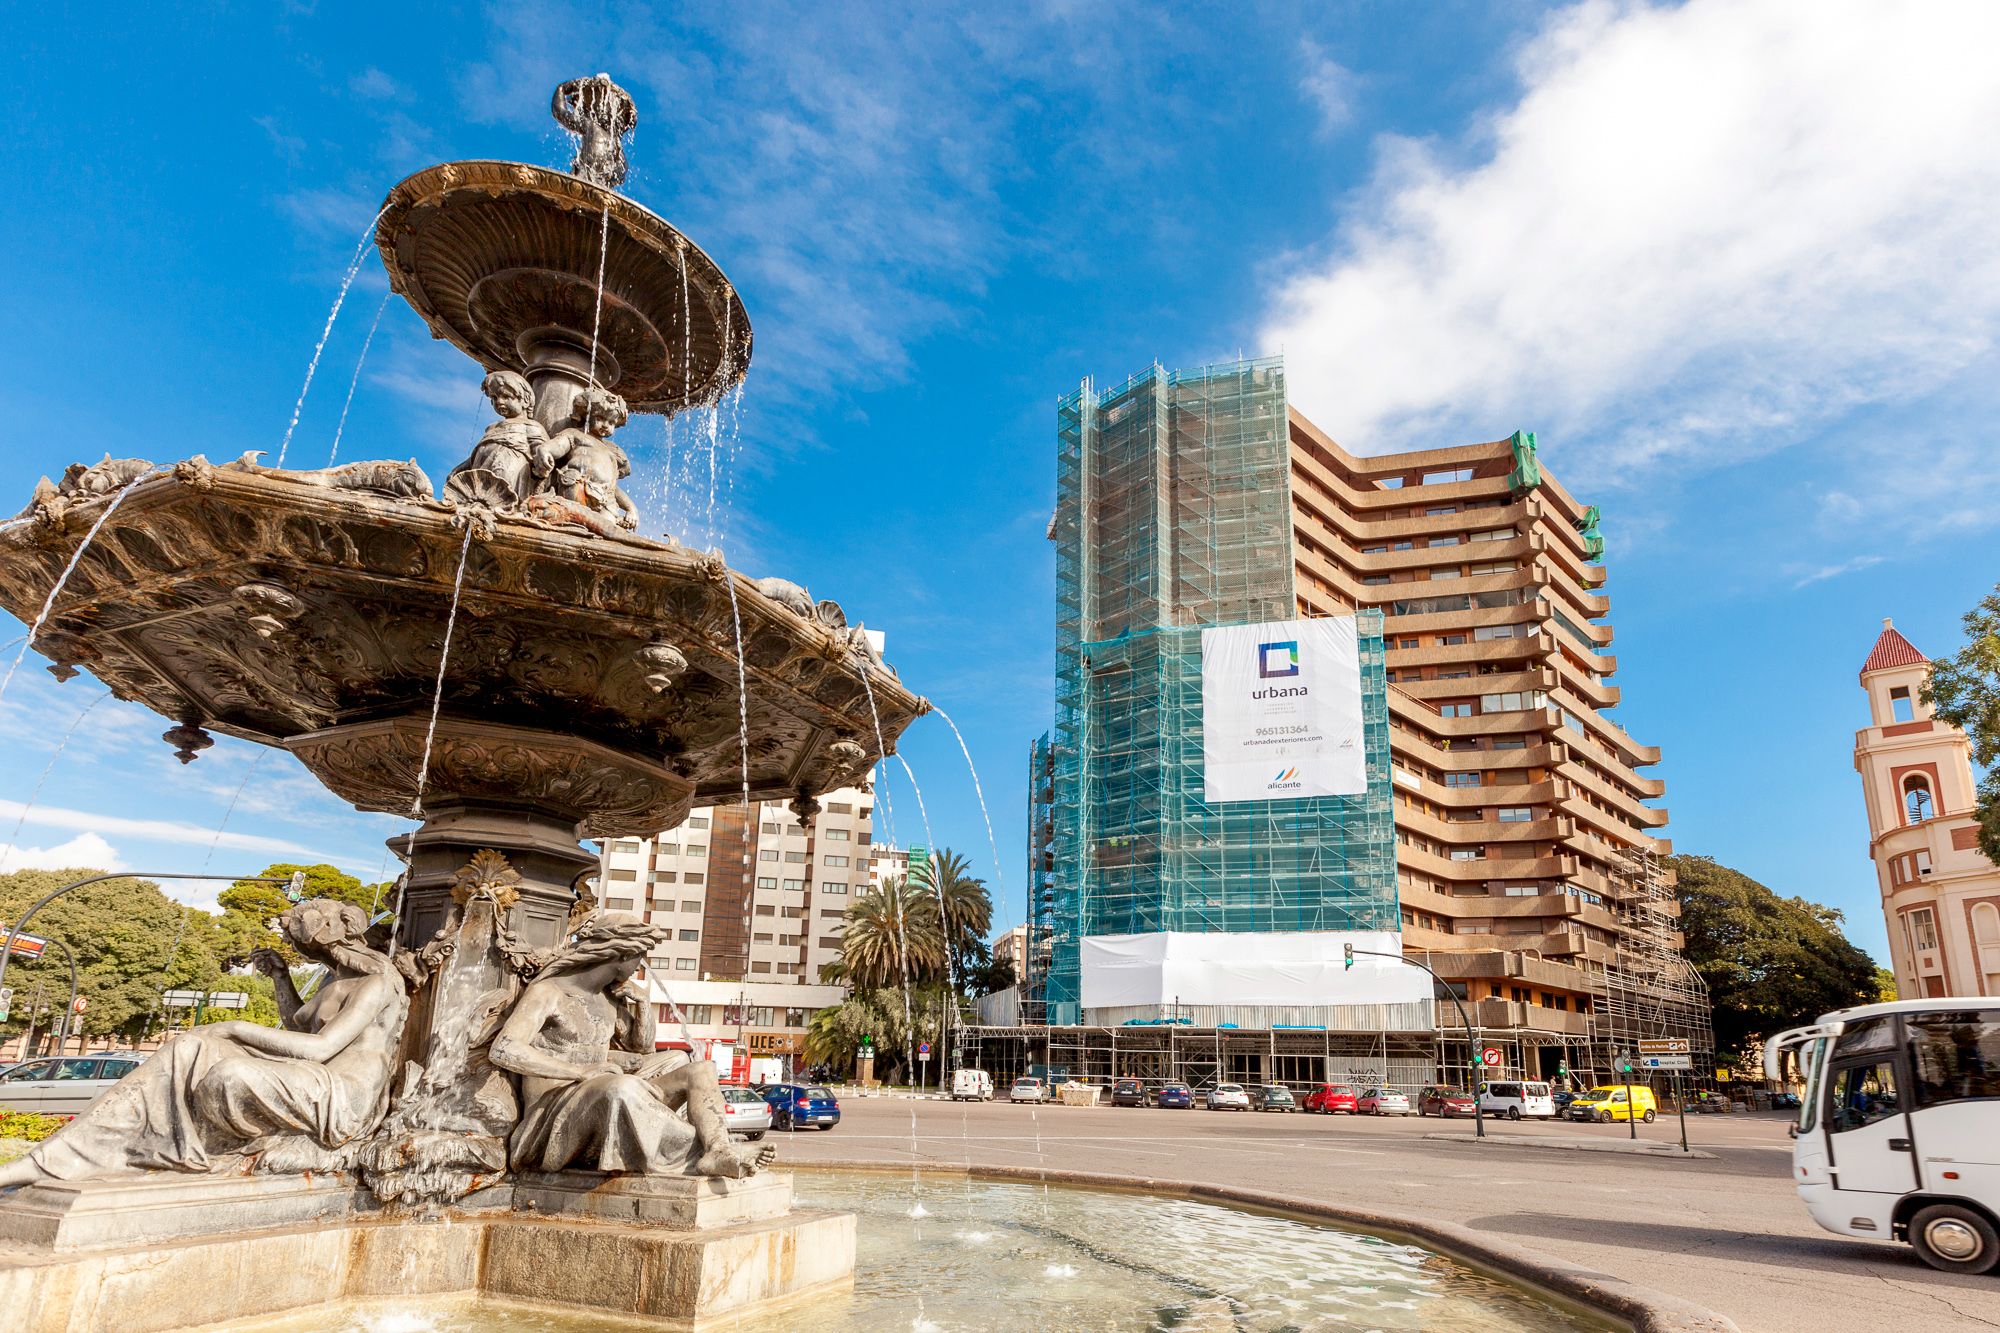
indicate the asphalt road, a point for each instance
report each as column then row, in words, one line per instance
column 1727, row 1233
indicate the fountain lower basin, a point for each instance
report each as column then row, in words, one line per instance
column 1006, row 1256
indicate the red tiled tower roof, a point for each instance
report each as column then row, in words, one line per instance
column 1892, row 650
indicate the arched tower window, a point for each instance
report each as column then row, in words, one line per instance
column 1986, row 944
column 1917, row 802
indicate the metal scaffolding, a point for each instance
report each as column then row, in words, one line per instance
column 1173, row 513
column 1644, row 987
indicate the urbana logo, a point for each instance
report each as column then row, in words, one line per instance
column 1278, row 659
column 1285, row 781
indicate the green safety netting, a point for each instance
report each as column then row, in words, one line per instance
column 1527, row 473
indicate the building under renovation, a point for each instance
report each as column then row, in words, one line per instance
column 1506, row 831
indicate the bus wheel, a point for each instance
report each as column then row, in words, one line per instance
column 1954, row 1239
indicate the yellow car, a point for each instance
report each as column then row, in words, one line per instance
column 1605, row 1105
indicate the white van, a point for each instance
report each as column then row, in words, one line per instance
column 1518, row 1100
column 971, row 1085
column 1894, row 1139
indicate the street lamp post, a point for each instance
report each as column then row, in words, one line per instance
column 1472, row 1033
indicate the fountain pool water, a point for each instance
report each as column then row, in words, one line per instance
column 1089, row 1259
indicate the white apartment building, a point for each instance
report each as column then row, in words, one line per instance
column 756, row 901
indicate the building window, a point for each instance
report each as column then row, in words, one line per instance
column 834, row 862
column 1486, row 632
column 834, row 834
column 698, row 821
column 1461, row 779
column 840, row 807
column 693, row 877
column 1917, row 802
column 1454, row 710
column 690, row 936
column 1468, row 853
column 1923, row 929
column 1513, row 701
column 796, row 858
column 1375, row 580
column 690, row 907
column 1439, row 511
column 833, row 886
column 760, row 967
column 766, row 909
column 665, row 876
column 795, row 886
column 621, row 873
column 767, row 827
column 1446, row 477
column 767, row 854
column 766, row 882
column 1515, row 814
column 1899, row 705
column 1496, row 535
column 1444, row 541
column 685, row 965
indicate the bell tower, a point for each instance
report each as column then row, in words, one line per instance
column 1940, row 893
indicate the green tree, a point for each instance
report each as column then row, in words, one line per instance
column 249, row 907
column 892, row 937
column 1885, row 985
column 834, row 1034
column 1771, row 963
column 131, row 942
column 964, row 906
column 1964, row 690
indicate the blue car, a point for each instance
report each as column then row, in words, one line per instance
column 801, row 1106
column 1175, row 1097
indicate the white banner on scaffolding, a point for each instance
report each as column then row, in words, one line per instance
column 1281, row 711
column 1278, row 969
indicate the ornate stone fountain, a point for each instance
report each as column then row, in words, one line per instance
column 509, row 662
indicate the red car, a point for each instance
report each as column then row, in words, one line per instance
column 1445, row 1102
column 1330, row 1097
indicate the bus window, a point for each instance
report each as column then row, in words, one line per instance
column 1866, row 1038
column 1957, row 1056
column 1862, row 1095
column 1811, row 1061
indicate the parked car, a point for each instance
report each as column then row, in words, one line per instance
column 1128, row 1092
column 801, row 1106
column 971, row 1085
column 745, row 1113
column 1446, row 1102
column 1518, row 1100
column 1228, row 1097
column 1382, row 1101
column 1273, row 1097
column 1784, row 1101
column 64, row 1085
column 1174, row 1097
column 1562, row 1097
column 1028, row 1090
column 1328, row 1098
column 1605, row 1105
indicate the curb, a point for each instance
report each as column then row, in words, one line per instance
column 1630, row 1149
column 1639, row 1308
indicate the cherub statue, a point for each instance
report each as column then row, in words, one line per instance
column 597, row 1096
column 505, row 465
column 583, row 465
column 294, row 1098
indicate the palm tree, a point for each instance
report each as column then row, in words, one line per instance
column 892, row 937
column 964, row 905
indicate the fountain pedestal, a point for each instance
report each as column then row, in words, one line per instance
column 153, row 1253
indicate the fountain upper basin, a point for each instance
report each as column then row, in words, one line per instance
column 594, row 677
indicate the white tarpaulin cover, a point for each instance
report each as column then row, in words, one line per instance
column 1281, row 711
column 1277, row 969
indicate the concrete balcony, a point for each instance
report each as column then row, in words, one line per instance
column 1511, row 1015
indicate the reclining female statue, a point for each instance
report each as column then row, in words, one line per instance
column 297, row 1098
column 597, row 1096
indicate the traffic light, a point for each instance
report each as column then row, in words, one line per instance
column 1348, row 949
column 6, row 1002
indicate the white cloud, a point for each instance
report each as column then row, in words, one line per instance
column 1806, row 578
column 1326, row 84
column 1700, row 231
column 159, row 830
column 84, row 851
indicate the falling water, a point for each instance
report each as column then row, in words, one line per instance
column 230, row 809
column 743, row 749
column 35, row 627
column 944, row 914
column 430, row 732
column 359, row 361
column 312, row 367
column 14, row 838
column 917, row 1211
column 597, row 314
column 999, row 876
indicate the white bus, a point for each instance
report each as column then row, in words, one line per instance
column 1898, row 1135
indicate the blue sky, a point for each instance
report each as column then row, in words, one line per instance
column 1735, row 263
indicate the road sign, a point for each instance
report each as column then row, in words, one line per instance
column 1678, row 1062
column 1666, row 1046
column 81, row 1004
column 25, row 946
column 193, row 999
column 1490, row 1057
column 923, row 1050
